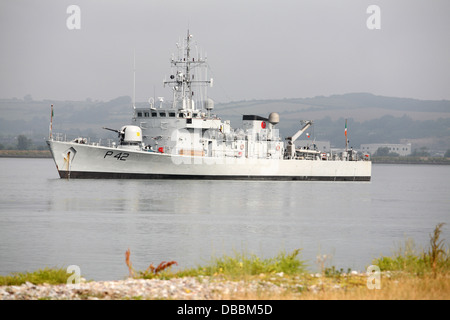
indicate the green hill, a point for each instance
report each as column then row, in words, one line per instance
column 371, row 118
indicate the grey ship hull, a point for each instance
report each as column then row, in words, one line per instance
column 74, row 160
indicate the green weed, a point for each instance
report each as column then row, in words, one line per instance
column 41, row 276
column 244, row 264
column 408, row 259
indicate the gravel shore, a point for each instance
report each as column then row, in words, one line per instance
column 177, row 289
column 266, row 286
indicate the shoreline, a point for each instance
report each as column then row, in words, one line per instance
column 411, row 160
column 438, row 163
column 273, row 286
column 46, row 154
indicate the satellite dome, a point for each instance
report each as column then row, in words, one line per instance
column 274, row 118
column 209, row 104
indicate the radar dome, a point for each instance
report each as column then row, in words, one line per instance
column 274, row 118
column 209, row 104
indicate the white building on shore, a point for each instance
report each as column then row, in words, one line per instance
column 401, row 149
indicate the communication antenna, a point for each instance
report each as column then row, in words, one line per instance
column 134, row 78
column 346, row 138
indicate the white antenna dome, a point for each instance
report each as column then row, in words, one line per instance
column 274, row 118
column 209, row 104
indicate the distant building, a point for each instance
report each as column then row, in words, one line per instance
column 401, row 149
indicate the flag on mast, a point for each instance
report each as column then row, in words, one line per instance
column 346, row 128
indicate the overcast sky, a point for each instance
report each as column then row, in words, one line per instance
column 256, row 49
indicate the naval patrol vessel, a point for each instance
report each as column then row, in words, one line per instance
column 184, row 139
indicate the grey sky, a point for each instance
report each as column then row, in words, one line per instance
column 257, row 49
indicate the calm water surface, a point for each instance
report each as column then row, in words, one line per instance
column 50, row 222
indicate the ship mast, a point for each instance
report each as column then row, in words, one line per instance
column 188, row 66
column 183, row 79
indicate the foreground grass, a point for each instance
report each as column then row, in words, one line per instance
column 408, row 274
column 402, row 287
column 247, row 266
column 433, row 261
column 41, row 276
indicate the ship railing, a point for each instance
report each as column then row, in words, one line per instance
column 305, row 154
column 62, row 137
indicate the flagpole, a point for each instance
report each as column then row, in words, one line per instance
column 346, row 140
column 51, row 122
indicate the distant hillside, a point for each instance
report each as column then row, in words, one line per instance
column 359, row 106
column 371, row 118
column 76, row 118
